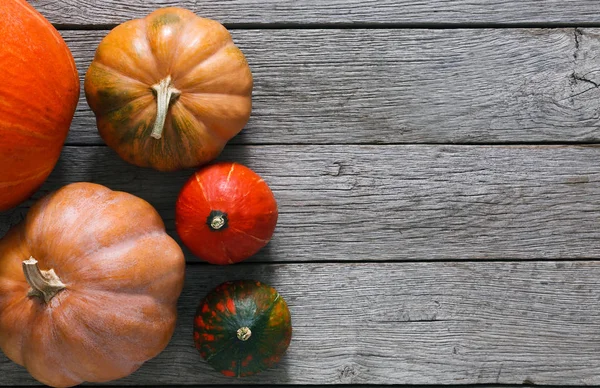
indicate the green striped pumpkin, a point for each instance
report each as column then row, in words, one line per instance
column 242, row 328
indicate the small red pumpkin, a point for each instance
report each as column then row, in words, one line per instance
column 39, row 90
column 242, row 328
column 225, row 213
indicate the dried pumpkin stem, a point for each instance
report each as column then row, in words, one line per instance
column 44, row 284
column 244, row 333
column 165, row 94
column 217, row 222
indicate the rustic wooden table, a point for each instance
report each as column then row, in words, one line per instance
column 438, row 179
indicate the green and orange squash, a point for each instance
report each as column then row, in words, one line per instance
column 169, row 90
column 242, row 328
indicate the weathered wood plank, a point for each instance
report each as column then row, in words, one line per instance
column 406, row 12
column 373, row 203
column 409, row 323
column 408, row 86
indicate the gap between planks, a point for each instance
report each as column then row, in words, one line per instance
column 354, row 26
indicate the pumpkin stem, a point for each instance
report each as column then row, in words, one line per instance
column 217, row 220
column 44, row 284
column 244, row 333
column 165, row 94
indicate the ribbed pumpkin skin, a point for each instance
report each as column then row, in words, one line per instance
column 123, row 276
column 242, row 197
column 39, row 90
column 231, row 306
column 203, row 64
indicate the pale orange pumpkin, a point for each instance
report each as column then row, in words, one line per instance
column 89, row 283
column 169, row 90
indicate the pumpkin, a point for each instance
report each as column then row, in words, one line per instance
column 169, row 90
column 39, row 90
column 225, row 213
column 242, row 328
column 88, row 286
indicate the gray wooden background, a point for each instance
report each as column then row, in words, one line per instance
column 437, row 169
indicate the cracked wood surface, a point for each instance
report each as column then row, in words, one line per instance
column 294, row 12
column 393, row 202
column 407, row 86
column 410, row 323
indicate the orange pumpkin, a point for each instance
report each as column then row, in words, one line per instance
column 169, row 90
column 39, row 90
column 88, row 286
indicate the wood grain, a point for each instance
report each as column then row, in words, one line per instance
column 407, row 86
column 404, row 260
column 409, row 323
column 372, row 203
column 405, row 12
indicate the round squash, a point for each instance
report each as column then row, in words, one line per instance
column 39, row 90
column 225, row 213
column 88, row 286
column 169, row 90
column 242, row 328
